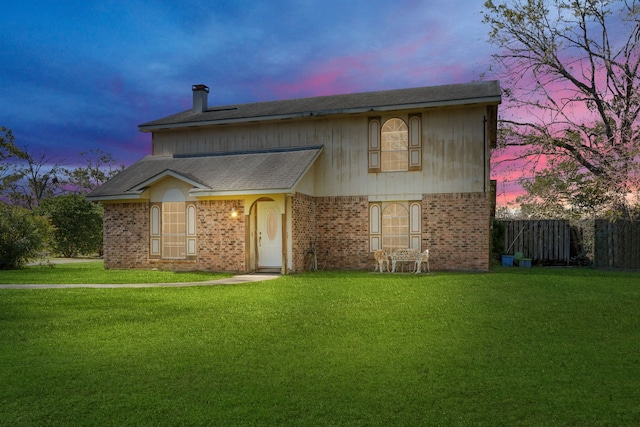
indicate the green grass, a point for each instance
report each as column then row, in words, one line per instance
column 511, row 347
column 93, row 272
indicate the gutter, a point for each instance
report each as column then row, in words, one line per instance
column 128, row 196
column 356, row 110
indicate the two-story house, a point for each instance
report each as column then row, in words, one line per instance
column 247, row 187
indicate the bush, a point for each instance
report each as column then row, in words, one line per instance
column 77, row 224
column 497, row 238
column 23, row 236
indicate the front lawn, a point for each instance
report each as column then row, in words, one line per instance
column 510, row 347
column 93, row 272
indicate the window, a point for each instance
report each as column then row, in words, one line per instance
column 174, row 230
column 395, row 146
column 395, row 225
column 172, row 227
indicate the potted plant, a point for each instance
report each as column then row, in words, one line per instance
column 521, row 260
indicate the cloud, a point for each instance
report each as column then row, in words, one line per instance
column 81, row 75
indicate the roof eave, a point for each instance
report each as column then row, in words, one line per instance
column 247, row 192
column 358, row 110
column 115, row 197
column 166, row 173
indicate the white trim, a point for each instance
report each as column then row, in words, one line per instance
column 374, row 215
column 168, row 172
column 173, row 195
column 415, row 132
column 191, row 219
column 191, row 246
column 374, row 243
column 134, row 196
column 155, row 220
column 374, row 134
column 415, row 218
column 374, row 159
column 414, row 242
column 155, row 246
column 400, row 198
column 212, row 193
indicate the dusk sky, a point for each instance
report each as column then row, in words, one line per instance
column 81, row 75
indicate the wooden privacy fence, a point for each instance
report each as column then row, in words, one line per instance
column 544, row 241
column 617, row 244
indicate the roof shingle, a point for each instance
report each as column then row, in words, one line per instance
column 258, row 172
column 476, row 92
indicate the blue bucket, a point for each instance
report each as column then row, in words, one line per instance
column 525, row 263
column 507, row 260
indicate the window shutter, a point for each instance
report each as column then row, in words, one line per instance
column 374, row 145
column 375, row 227
column 415, row 142
column 415, row 221
column 191, row 229
column 395, row 225
column 154, row 231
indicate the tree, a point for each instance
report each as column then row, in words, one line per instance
column 8, row 148
column 9, row 152
column 563, row 191
column 31, row 179
column 571, row 82
column 101, row 167
column 23, row 236
column 26, row 178
column 77, row 224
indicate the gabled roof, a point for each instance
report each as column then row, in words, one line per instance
column 256, row 172
column 399, row 99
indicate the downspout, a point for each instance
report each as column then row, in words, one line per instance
column 484, row 155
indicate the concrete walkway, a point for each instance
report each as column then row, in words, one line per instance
column 243, row 278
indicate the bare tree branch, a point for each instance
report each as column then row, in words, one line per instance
column 571, row 68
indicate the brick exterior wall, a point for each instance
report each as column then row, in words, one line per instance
column 343, row 230
column 456, row 230
column 303, row 229
column 221, row 238
column 126, row 235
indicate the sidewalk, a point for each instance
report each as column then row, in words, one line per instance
column 243, row 278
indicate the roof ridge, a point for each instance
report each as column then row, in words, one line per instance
column 483, row 91
column 349, row 94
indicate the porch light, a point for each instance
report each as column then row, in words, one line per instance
column 234, row 212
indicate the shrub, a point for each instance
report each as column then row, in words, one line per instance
column 23, row 236
column 77, row 224
column 497, row 239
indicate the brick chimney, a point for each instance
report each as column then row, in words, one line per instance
column 200, row 101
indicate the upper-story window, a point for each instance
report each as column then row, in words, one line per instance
column 395, row 146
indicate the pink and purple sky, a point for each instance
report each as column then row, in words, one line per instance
column 81, row 75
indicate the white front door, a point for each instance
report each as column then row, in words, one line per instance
column 269, row 235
